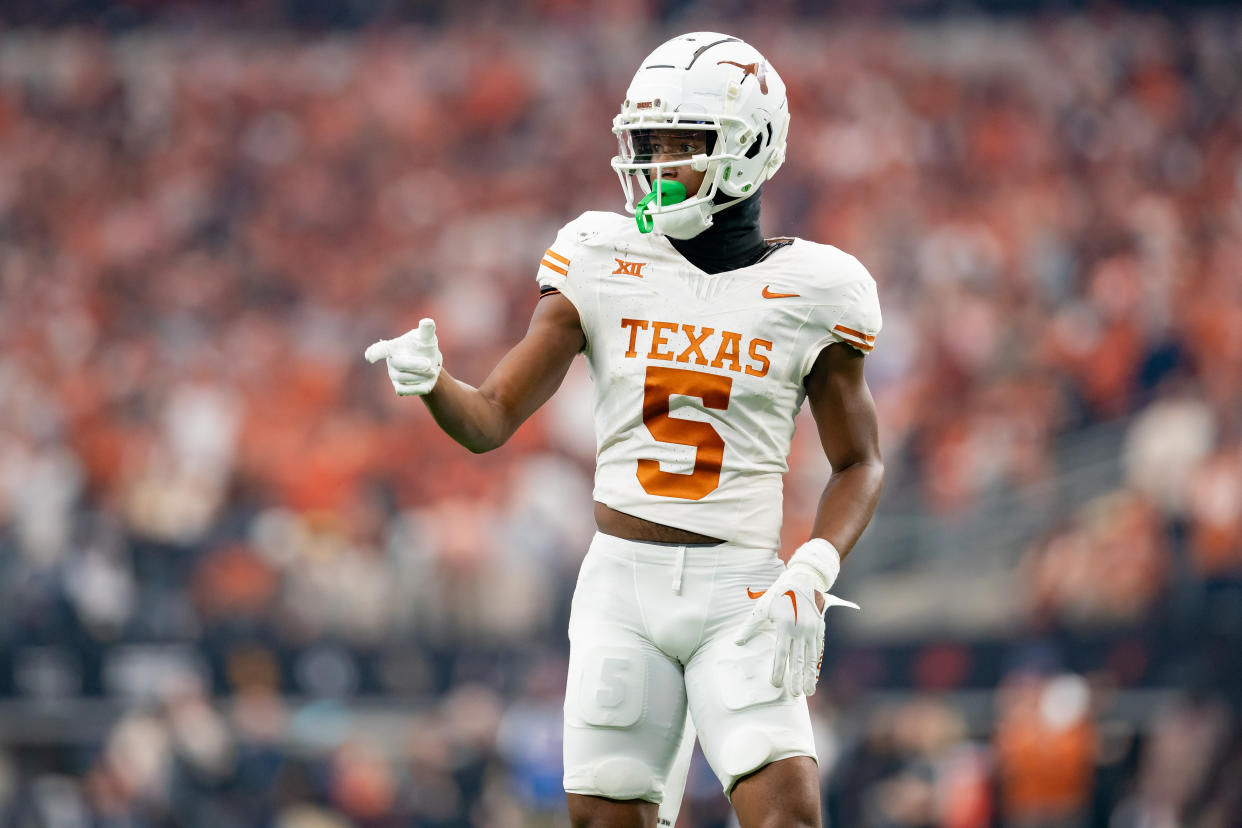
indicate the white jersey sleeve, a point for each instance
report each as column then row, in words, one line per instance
column 850, row 309
column 566, row 269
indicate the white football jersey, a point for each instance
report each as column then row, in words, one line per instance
column 698, row 377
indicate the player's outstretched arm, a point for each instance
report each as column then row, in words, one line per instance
column 483, row 418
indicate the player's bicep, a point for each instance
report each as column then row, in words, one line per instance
column 534, row 368
column 843, row 407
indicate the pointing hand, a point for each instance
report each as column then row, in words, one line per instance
column 413, row 358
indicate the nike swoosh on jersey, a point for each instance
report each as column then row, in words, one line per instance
column 768, row 294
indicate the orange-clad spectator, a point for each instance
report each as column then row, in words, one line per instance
column 1045, row 749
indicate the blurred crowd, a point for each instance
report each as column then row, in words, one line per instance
column 215, row 514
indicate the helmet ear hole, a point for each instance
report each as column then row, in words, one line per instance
column 761, row 141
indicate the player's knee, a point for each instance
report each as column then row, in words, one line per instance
column 791, row 811
column 785, row 819
column 780, row 794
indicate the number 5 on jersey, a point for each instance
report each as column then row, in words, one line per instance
column 713, row 390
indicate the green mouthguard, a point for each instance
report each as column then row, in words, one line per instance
column 668, row 192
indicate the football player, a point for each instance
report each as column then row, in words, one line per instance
column 703, row 339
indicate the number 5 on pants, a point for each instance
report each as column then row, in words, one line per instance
column 613, row 687
column 713, row 390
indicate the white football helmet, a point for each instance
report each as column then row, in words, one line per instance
column 702, row 81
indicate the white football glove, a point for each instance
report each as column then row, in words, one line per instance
column 789, row 605
column 413, row 359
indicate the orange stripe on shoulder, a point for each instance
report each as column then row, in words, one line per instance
column 856, row 334
column 553, row 254
column 553, row 267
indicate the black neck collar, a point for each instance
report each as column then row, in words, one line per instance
column 733, row 241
